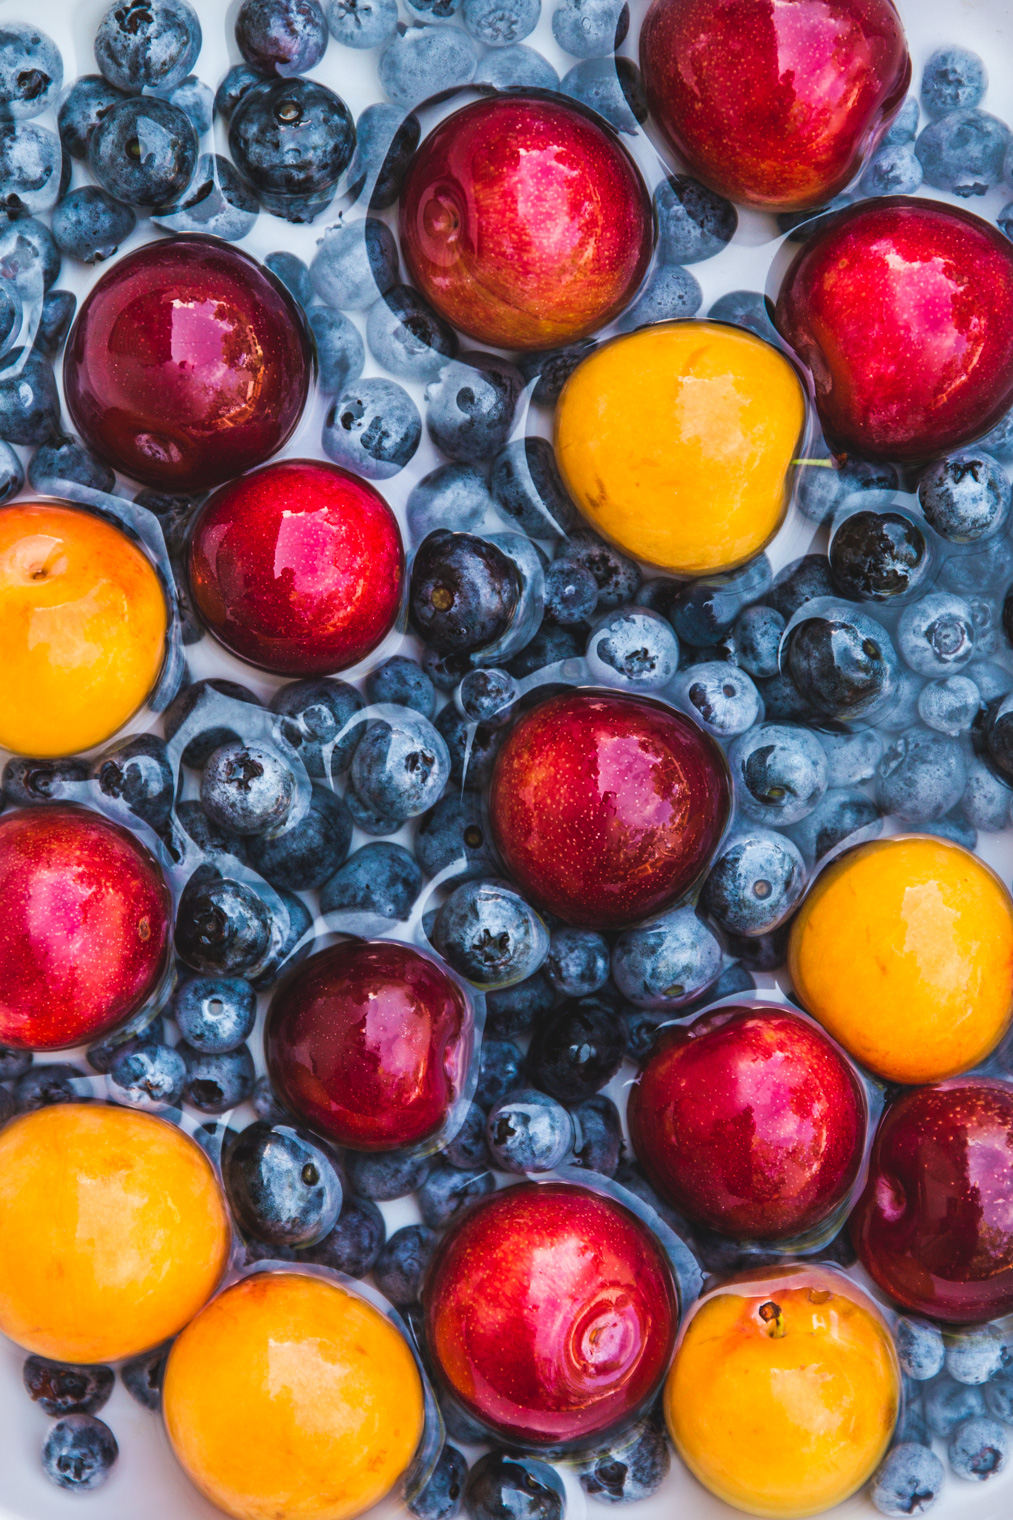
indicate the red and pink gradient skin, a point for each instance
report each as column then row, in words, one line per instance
column 525, row 222
column 774, row 103
column 297, row 568
column 551, row 1313
column 85, row 921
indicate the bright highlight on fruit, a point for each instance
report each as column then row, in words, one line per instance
column 82, row 629
column 289, row 1398
column 676, row 443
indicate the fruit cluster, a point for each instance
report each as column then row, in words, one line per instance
column 562, row 830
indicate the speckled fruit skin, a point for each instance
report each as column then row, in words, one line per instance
column 85, row 918
column 115, row 1231
column 607, row 807
column 773, row 105
column 550, row 1313
column 750, row 1120
column 903, row 312
column 934, row 1225
column 297, row 568
column 369, row 1043
column 525, row 222
column 784, row 1390
column 187, row 365
column 290, row 1398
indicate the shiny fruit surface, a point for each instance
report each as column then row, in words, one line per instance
column 297, row 568
column 784, row 1391
column 903, row 950
column 606, row 807
column 676, row 442
column 114, row 1227
column 83, row 620
column 773, row 105
column 369, row 1042
column 525, row 222
column 187, row 364
column 750, row 1120
column 85, row 917
column 550, row 1313
column 903, row 312
column 290, row 1398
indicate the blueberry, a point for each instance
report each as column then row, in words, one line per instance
column 58, row 308
column 31, row 71
column 306, row 853
column 379, row 878
column 571, row 593
column 464, row 592
column 757, row 636
column 141, row 1028
column 315, row 712
column 693, row 222
column 936, row 635
column 467, row 1149
column 610, row 86
column 875, row 556
column 29, row 402
column 499, row 1071
column 267, row 1105
column 401, row 1264
column 146, row 1074
column 78, row 1453
column 355, row 1242
column 222, row 926
column 953, row 79
column 453, row 497
column 599, row 1135
column 197, row 827
column 841, row 661
column 215, row 1083
column 489, row 934
column 799, row 582
column 292, row 138
column 432, row 11
column 136, row 771
column 590, row 28
column 744, row 308
column 362, row 23
column 14, row 1063
column 519, row 1487
column 373, row 429
column 385, row 139
column 985, row 804
column 454, row 832
column 991, row 680
column 293, row 273
column 907, row 1481
column 247, row 788
column 955, row 829
column 214, row 1014
column 61, row 1388
column 149, row 44
column 441, row 1497
column 966, row 496
column 617, row 576
column 401, row 766
column 143, row 1375
column 355, row 263
column 632, row 1467
column 893, row 170
column 977, row 1449
column 281, row 36
column 513, row 1010
column 196, row 100
column 550, row 644
column 64, row 458
column 999, row 441
column 902, row 712
column 828, row 485
column 488, row 695
column 420, row 63
column 339, row 348
column 27, row 782
column 922, row 775
column 911, row 1422
column 780, row 773
column 407, row 337
column 385, row 1177
column 291, row 941
column 844, row 813
column 470, row 408
column 240, row 78
column 143, row 151
column 11, row 314
column 800, row 226
column 999, row 1397
column 702, row 610
column 446, row 1191
column 404, row 682
column 43, row 1086
column 527, row 1131
column 281, row 1185
column 526, row 485
column 369, row 819
column 578, row 961
column 755, row 881
column 550, row 371
column 948, row 1404
column 516, row 68
column 949, row 706
column 577, row 1050
column 723, row 699
column 671, row 295
column 635, row 649
column 500, row 23
column 963, row 152
column 667, row 962
column 974, row 1356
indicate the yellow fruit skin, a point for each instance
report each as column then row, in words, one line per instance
column 903, row 949
column 788, row 1423
column 113, row 1227
column 676, row 442
column 82, row 629
column 289, row 1398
